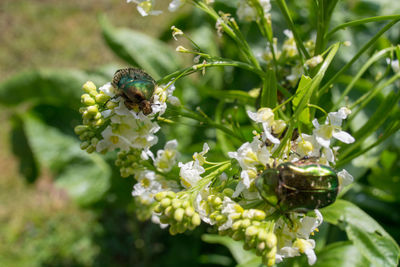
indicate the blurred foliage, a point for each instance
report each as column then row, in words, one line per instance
column 105, row 232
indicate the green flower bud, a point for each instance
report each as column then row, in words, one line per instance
column 97, row 116
column 89, row 87
column 189, row 211
column 236, row 225
column 160, row 196
column 246, row 223
column 271, row 240
column 261, row 246
column 178, row 214
column 171, row 194
column 228, row 192
column 176, row 203
column 99, row 122
column 164, row 219
column 80, row 129
column 259, row 215
column 111, row 105
column 237, row 236
column 92, row 110
column 87, row 100
column 217, row 201
column 262, row 235
column 166, row 202
column 196, row 219
column 102, row 98
column 94, row 141
column 90, row 149
column 84, row 145
column 251, row 231
column 220, row 218
column 185, row 204
column 173, row 229
column 158, row 208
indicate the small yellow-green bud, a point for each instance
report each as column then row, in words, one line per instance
column 171, row 194
column 189, row 211
column 262, row 235
column 185, row 204
column 180, row 228
column 92, row 110
column 178, row 214
column 261, row 246
column 259, row 215
column 90, row 149
column 251, row 231
column 80, row 129
column 89, row 87
column 220, row 218
column 176, row 203
column 165, row 202
column 168, row 211
column 99, row 122
column 228, row 192
column 158, row 208
column 236, row 216
column 173, row 229
column 217, row 201
column 97, row 116
column 246, row 223
column 237, row 236
column 84, row 145
column 236, row 225
column 102, row 98
column 111, row 105
column 160, row 196
column 271, row 240
column 196, row 219
column 87, row 100
column 94, row 141
column 164, row 219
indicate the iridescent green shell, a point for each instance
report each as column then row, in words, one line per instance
column 299, row 186
column 135, row 86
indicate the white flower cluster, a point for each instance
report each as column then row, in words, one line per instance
column 247, row 12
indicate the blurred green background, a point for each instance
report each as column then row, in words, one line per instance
column 41, row 226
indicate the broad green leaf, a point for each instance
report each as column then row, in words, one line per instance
column 138, row 49
column 56, row 87
column 340, row 254
column 85, row 177
column 269, row 90
column 235, row 247
column 304, row 85
column 21, row 149
column 368, row 236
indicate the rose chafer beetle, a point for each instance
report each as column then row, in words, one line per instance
column 300, row 186
column 136, row 87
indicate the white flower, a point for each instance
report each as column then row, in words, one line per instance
column 266, row 117
column 230, row 209
column 332, row 128
column 163, row 94
column 306, row 247
column 108, row 89
column 314, row 61
column 147, row 186
column 166, row 158
column 145, row 7
column 175, row 4
column 190, row 173
column 289, row 46
column 249, row 13
column 156, row 220
column 307, row 145
column 200, row 156
column 345, row 179
column 251, row 155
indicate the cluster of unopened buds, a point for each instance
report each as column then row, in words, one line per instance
column 176, row 210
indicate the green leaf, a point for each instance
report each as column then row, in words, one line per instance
column 21, row 149
column 269, row 91
column 340, row 254
column 373, row 242
column 85, row 177
column 235, row 247
column 56, row 87
column 138, row 49
column 304, row 85
column 232, row 95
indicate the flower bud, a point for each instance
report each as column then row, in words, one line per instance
column 176, row 203
column 196, row 219
column 80, row 129
column 189, row 211
column 251, row 231
column 102, row 98
column 160, row 196
column 84, row 145
column 178, row 214
column 165, row 202
column 92, row 110
column 90, row 88
column 271, row 240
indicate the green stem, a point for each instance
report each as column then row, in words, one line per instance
column 362, row 50
column 194, row 68
column 359, row 22
column 372, row 60
column 299, row 43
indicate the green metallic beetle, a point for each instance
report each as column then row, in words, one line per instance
column 301, row 186
column 136, row 87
